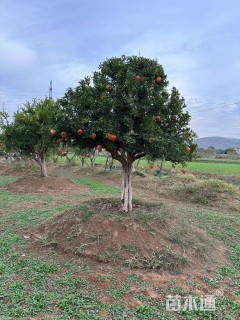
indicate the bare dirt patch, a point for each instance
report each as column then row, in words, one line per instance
column 5, row 168
column 18, row 168
column 49, row 185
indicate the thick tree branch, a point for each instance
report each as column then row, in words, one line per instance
column 139, row 155
column 117, row 156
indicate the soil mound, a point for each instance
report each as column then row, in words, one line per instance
column 212, row 192
column 35, row 184
column 152, row 237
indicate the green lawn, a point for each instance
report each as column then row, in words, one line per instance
column 96, row 186
column 5, row 180
column 212, row 168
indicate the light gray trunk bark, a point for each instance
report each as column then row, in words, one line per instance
column 127, row 187
column 42, row 164
column 43, row 169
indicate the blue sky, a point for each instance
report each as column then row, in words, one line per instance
column 197, row 42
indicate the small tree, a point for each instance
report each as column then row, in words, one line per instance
column 109, row 162
column 29, row 133
column 3, row 122
column 126, row 108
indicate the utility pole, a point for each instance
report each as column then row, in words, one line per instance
column 50, row 90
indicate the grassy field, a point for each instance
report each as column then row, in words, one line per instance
column 219, row 167
column 44, row 285
column 213, row 168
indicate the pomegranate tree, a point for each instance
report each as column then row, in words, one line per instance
column 138, row 116
column 32, row 132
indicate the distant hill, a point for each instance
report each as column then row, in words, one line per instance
column 217, row 142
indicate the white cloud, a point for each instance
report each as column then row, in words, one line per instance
column 174, row 51
column 69, row 73
column 36, row 82
column 15, row 56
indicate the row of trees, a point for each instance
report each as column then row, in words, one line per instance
column 125, row 107
column 213, row 152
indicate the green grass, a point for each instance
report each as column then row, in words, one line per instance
column 223, row 160
column 211, row 167
column 96, row 186
column 213, row 222
column 203, row 167
column 224, row 227
column 11, row 199
column 18, row 273
column 5, row 180
column 214, row 168
column 43, row 285
column 206, row 191
column 217, row 167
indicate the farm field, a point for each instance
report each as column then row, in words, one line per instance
column 214, row 168
column 66, row 252
column 218, row 166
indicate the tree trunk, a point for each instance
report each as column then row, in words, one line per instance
column 126, row 159
column 111, row 164
column 106, row 163
column 43, row 169
column 126, row 202
column 83, row 161
column 41, row 161
column 93, row 157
